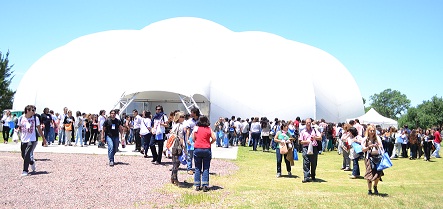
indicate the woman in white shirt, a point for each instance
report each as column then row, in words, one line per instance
column 6, row 129
column 145, row 132
column 255, row 133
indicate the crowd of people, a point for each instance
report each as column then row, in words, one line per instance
column 188, row 138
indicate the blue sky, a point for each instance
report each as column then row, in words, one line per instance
column 395, row 44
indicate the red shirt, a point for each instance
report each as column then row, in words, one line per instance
column 202, row 137
column 437, row 137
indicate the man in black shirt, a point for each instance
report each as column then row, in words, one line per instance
column 112, row 127
column 46, row 119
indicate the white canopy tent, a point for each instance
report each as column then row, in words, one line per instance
column 373, row 117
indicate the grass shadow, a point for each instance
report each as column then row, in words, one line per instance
column 215, row 188
column 382, row 195
column 317, row 180
column 185, row 184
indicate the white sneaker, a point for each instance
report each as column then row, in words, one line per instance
column 33, row 167
column 24, row 173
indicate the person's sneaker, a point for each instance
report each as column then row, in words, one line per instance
column 205, row 188
column 289, row 173
column 111, row 163
column 197, row 188
column 347, row 169
column 352, row 177
column 24, row 173
column 278, row 175
column 370, row 192
column 33, row 167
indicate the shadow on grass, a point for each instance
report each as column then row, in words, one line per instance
column 317, row 180
column 382, row 195
column 185, row 184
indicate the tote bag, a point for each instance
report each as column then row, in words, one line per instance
column 295, row 154
column 283, row 148
column 385, row 162
column 357, row 147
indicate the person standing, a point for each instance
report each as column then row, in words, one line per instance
column 307, row 136
column 145, row 132
column 255, row 133
column 190, row 123
column 355, row 138
column 6, row 129
column 79, row 128
column 158, row 134
column 47, row 122
column 203, row 137
column 179, row 130
column 437, row 141
column 112, row 127
column 61, row 134
column 427, row 144
column 281, row 138
column 137, row 124
column 68, row 124
column 28, row 125
column 101, row 120
column 218, row 129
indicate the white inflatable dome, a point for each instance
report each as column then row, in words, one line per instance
column 244, row 74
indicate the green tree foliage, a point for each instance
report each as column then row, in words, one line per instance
column 390, row 103
column 426, row 115
column 6, row 76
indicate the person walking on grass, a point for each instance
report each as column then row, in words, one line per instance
column 307, row 136
column 112, row 127
column 28, row 126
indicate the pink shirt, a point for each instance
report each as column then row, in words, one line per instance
column 359, row 129
column 306, row 135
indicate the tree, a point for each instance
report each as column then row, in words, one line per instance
column 390, row 103
column 6, row 94
column 426, row 115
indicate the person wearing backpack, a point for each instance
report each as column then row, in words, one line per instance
column 112, row 128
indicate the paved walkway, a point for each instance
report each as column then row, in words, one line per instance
column 217, row 152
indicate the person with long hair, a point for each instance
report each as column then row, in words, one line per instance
column 94, row 130
column 79, row 128
column 203, row 138
column 160, row 121
column 69, row 127
column 265, row 129
column 178, row 128
column 283, row 137
column 355, row 138
column 371, row 146
column 413, row 143
column 427, row 144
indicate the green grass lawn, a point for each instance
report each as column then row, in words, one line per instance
column 408, row 184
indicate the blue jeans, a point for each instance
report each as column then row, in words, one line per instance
column 202, row 160
column 146, row 139
column 255, row 137
column 437, row 150
column 112, row 146
column 79, row 135
column 61, row 136
column 356, row 168
column 189, row 157
column 219, row 139
column 51, row 136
